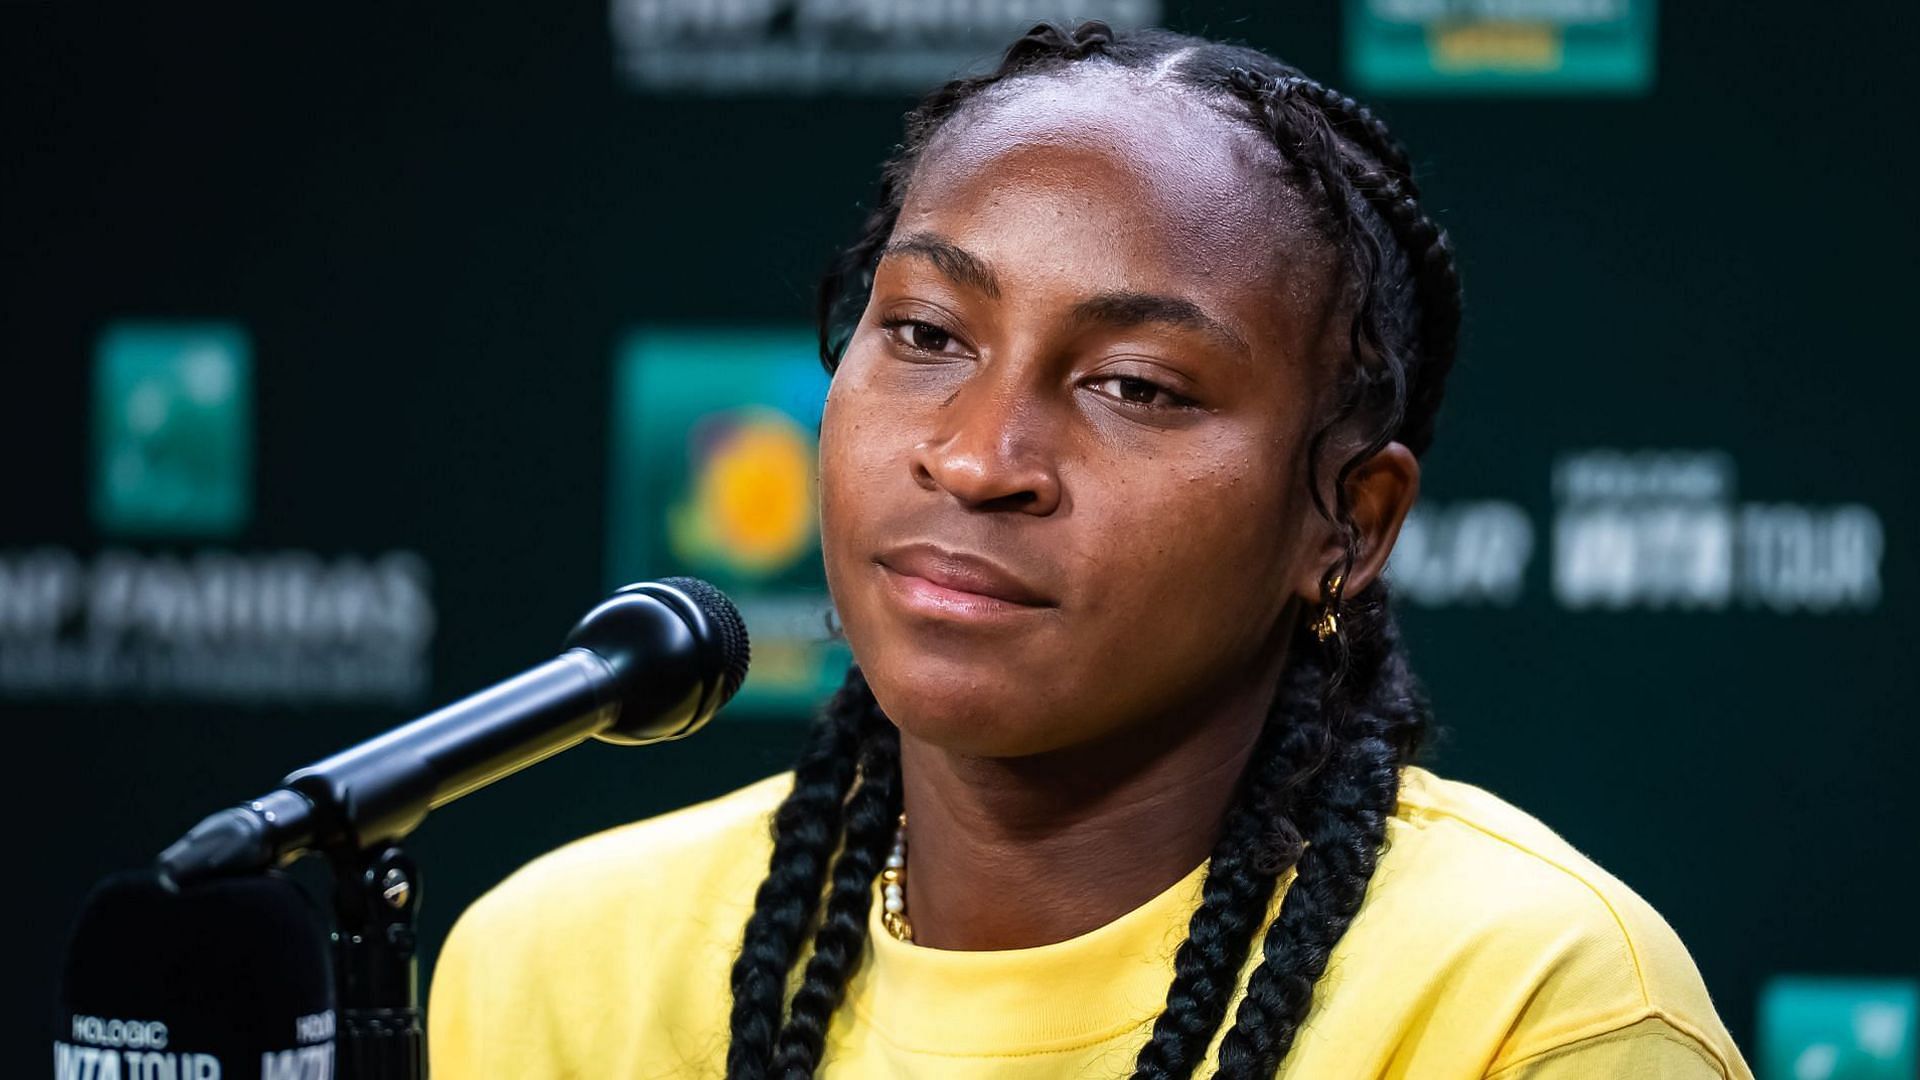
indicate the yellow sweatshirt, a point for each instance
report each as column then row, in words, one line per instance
column 1487, row 948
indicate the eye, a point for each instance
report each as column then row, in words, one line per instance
column 919, row 336
column 1137, row 391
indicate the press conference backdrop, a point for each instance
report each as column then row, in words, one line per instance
column 347, row 359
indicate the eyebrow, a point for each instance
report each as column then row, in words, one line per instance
column 1117, row 309
column 952, row 260
column 1123, row 309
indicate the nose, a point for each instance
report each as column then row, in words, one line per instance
column 991, row 449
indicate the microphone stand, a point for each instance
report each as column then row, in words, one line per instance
column 376, row 972
column 652, row 662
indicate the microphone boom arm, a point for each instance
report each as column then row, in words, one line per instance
column 652, row 662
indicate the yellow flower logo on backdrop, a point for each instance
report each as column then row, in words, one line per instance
column 751, row 503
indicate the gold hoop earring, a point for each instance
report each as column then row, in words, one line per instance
column 1326, row 625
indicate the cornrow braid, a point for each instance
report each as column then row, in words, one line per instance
column 806, row 827
column 870, row 818
column 1358, row 124
column 1378, row 722
column 1051, row 41
column 1324, row 776
column 1310, row 122
column 1258, row 843
column 1308, row 140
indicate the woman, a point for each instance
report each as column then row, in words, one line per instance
column 1133, row 365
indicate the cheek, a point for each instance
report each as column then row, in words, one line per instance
column 860, row 450
column 1199, row 551
column 865, row 442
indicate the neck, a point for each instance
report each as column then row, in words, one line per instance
column 1008, row 853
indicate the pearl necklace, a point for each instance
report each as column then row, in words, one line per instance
column 893, row 886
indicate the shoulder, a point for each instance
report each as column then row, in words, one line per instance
column 687, row 857
column 1505, row 863
column 1529, row 926
column 682, row 848
column 646, row 915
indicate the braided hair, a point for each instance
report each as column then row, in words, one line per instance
column 1324, row 775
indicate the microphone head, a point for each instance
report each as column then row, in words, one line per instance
column 729, row 630
column 678, row 651
column 226, row 979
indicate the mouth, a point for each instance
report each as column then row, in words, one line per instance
column 940, row 583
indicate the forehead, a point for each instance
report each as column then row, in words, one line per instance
column 1123, row 182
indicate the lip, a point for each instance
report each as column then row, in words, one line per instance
column 936, row 581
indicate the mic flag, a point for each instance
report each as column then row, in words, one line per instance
column 226, row 980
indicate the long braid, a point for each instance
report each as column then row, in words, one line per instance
column 1257, row 844
column 1324, row 777
column 1378, row 712
column 805, row 829
column 1378, row 716
column 871, row 815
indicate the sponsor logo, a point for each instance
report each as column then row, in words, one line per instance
column 172, row 430
column 112, row 1049
column 172, row 442
column 313, row 1027
column 105, row 1063
column 215, row 626
column 312, row 1059
column 137, row 1034
column 826, row 46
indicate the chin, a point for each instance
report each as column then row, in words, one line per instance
column 969, row 711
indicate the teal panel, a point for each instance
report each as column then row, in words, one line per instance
column 1513, row 46
column 172, row 427
column 1828, row 1028
column 715, row 448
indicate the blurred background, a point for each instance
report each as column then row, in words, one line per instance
column 347, row 358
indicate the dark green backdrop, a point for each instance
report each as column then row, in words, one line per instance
column 437, row 226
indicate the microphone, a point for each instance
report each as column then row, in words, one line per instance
column 652, row 662
column 227, row 980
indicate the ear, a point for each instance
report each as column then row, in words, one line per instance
column 1379, row 494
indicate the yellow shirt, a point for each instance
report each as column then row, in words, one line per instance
column 1486, row 947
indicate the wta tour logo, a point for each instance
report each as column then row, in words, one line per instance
column 1666, row 530
column 1647, row 530
column 113, row 1049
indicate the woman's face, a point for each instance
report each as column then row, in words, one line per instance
column 1062, row 461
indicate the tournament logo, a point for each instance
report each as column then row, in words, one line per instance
column 750, row 504
column 714, row 462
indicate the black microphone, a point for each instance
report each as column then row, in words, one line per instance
column 654, row 661
column 226, row 980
